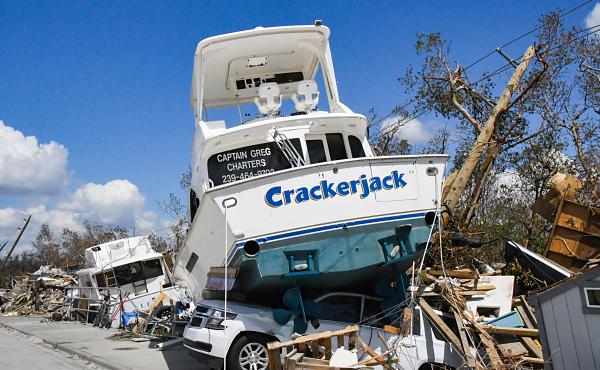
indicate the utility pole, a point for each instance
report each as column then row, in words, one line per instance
column 15, row 243
column 459, row 184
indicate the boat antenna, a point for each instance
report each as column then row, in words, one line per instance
column 227, row 203
column 237, row 100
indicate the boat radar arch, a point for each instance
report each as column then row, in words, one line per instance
column 229, row 69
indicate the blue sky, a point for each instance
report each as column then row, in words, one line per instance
column 109, row 83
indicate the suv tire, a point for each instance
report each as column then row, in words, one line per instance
column 248, row 352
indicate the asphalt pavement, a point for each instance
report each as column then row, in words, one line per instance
column 20, row 351
column 87, row 345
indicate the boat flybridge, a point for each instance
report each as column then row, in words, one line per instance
column 291, row 190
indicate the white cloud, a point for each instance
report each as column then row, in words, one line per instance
column 28, row 167
column 593, row 18
column 118, row 202
column 115, row 202
column 414, row 131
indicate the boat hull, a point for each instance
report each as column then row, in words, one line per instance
column 279, row 210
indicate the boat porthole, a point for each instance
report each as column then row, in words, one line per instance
column 251, row 248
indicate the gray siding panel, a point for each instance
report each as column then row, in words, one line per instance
column 593, row 326
column 553, row 349
column 578, row 323
column 565, row 332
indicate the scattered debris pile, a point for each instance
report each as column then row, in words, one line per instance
column 480, row 318
column 40, row 293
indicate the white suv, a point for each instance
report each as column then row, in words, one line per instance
column 240, row 335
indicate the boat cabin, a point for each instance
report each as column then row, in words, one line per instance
column 258, row 98
column 130, row 264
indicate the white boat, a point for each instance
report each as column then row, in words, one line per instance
column 291, row 192
column 128, row 269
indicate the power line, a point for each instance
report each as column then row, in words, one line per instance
column 525, row 34
column 508, row 66
column 498, row 70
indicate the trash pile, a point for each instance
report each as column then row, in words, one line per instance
column 479, row 317
column 40, row 293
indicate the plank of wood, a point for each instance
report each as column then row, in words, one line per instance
column 392, row 329
column 340, row 341
column 461, row 274
column 383, row 341
column 440, row 324
column 327, row 346
column 490, row 349
column 532, row 346
column 381, row 359
column 480, row 288
column 525, row 317
column 529, row 310
column 533, row 360
column 512, row 349
column 274, row 358
column 406, row 320
column 529, row 343
column 518, row 332
column 314, row 348
column 471, row 361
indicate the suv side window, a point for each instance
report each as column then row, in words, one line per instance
column 340, row 308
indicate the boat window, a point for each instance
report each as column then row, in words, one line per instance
column 152, row 268
column 356, row 147
column 337, row 149
column 316, row 151
column 249, row 161
column 100, row 280
column 191, row 262
column 128, row 274
column 343, row 308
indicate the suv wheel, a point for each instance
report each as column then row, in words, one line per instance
column 248, row 352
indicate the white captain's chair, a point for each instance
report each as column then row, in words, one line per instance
column 307, row 96
column 269, row 98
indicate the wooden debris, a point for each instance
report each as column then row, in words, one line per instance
column 315, row 342
column 490, row 349
column 512, row 349
column 440, row 324
column 520, row 332
column 461, row 274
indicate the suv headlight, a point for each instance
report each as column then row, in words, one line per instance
column 216, row 318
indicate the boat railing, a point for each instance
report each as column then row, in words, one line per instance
column 287, row 148
column 79, row 302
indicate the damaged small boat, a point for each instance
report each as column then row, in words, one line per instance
column 285, row 186
column 127, row 270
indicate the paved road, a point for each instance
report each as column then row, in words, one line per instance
column 98, row 345
column 19, row 351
